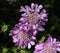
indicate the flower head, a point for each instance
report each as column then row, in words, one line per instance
column 36, row 16
column 22, row 35
column 50, row 46
column 4, row 28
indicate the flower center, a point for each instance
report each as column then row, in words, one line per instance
column 24, row 36
column 33, row 18
column 48, row 49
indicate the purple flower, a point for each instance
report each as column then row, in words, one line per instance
column 22, row 35
column 50, row 46
column 36, row 16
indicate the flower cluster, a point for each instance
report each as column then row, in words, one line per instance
column 36, row 16
column 30, row 23
column 22, row 35
column 50, row 46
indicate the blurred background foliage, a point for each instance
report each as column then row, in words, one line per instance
column 10, row 15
